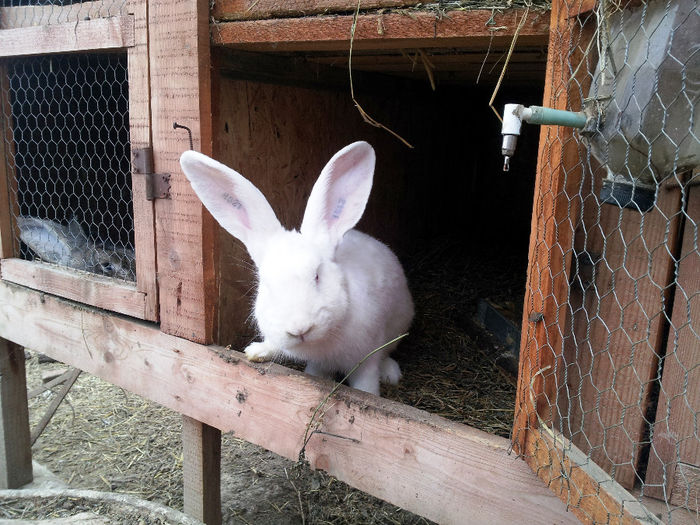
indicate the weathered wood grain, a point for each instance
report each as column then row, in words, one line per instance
column 84, row 35
column 95, row 290
column 256, row 9
column 675, row 438
column 140, row 137
column 37, row 15
column 559, row 174
column 180, row 92
column 618, row 330
column 201, row 465
column 471, row 29
column 15, row 447
column 589, row 492
column 406, row 456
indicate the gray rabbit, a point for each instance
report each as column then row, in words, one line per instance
column 69, row 246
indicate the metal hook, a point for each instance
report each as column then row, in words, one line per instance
column 189, row 131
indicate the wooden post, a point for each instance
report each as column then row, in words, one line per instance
column 555, row 202
column 179, row 60
column 185, row 232
column 15, row 450
column 201, row 446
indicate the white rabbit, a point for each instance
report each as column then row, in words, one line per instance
column 327, row 294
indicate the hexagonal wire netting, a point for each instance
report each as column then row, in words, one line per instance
column 613, row 298
column 67, row 122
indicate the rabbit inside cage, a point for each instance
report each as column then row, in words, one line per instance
column 68, row 128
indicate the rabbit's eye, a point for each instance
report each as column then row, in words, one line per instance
column 107, row 269
column 316, row 278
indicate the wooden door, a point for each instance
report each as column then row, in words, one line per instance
column 75, row 105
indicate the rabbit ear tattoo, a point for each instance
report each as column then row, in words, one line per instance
column 237, row 205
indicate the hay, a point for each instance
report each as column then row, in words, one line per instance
column 448, row 363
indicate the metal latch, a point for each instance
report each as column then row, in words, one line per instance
column 157, row 184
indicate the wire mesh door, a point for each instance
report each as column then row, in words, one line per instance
column 609, row 389
column 70, row 123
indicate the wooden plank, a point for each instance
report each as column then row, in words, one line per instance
column 675, row 437
column 15, row 449
column 140, row 137
column 618, row 330
column 181, row 92
column 556, row 200
column 87, row 288
column 84, row 35
column 406, row 456
column 55, row 403
column 256, row 9
column 588, row 491
column 27, row 16
column 201, row 451
column 8, row 182
column 475, row 29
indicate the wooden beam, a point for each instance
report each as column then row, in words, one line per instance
column 256, row 9
column 95, row 290
column 555, row 201
column 411, row 458
column 140, row 137
column 472, row 29
column 15, row 448
column 588, row 491
column 201, row 446
column 82, row 35
column 181, row 92
column 38, row 15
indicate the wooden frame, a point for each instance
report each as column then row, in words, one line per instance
column 116, row 31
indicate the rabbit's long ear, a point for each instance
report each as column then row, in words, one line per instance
column 236, row 204
column 49, row 240
column 340, row 194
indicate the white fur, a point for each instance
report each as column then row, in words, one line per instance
column 360, row 300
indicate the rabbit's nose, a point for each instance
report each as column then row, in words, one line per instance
column 300, row 333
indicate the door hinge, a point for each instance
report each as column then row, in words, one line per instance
column 157, row 184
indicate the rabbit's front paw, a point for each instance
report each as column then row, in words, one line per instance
column 260, row 352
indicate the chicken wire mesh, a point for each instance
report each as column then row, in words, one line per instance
column 611, row 348
column 66, row 122
column 27, row 13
